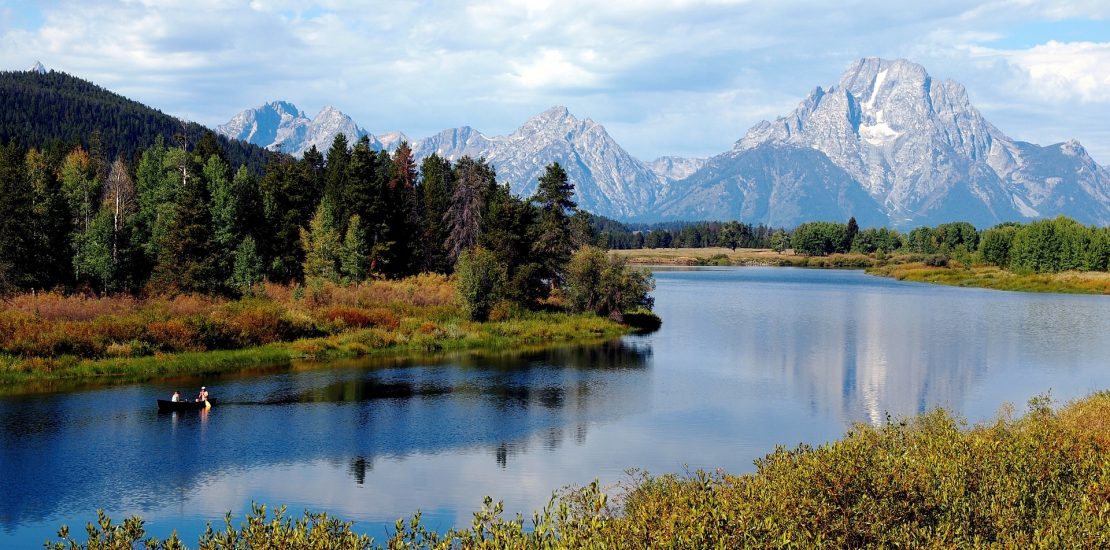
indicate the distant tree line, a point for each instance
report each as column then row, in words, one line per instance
column 612, row 234
column 1042, row 246
column 182, row 220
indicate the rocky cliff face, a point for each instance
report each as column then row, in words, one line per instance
column 886, row 144
column 924, row 154
column 281, row 126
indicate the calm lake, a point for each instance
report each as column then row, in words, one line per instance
column 747, row 358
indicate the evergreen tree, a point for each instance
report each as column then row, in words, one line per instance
column 437, row 186
column 336, row 175
column 186, row 262
column 16, row 237
column 224, row 209
column 156, row 187
column 474, row 181
column 354, row 262
column 50, row 223
column 401, row 215
column 553, row 244
column 506, row 233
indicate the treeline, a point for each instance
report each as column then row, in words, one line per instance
column 733, row 234
column 182, row 221
column 55, row 112
column 1043, row 246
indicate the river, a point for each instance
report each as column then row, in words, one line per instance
column 747, row 358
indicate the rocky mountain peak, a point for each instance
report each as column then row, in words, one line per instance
column 38, row 67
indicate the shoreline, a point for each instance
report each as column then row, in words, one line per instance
column 537, row 331
column 896, row 267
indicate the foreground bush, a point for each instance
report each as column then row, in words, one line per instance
column 1041, row 481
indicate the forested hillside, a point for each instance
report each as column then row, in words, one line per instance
column 56, row 111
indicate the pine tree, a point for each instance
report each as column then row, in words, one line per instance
column 553, row 244
column 16, row 237
column 50, row 223
column 401, row 215
column 437, row 186
column 354, row 261
column 474, row 180
column 186, row 262
column 224, row 209
column 336, row 175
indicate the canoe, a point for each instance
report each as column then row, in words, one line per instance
column 165, row 405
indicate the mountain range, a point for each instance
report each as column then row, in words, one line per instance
column 887, row 144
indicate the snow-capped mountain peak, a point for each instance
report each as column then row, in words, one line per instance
column 281, row 126
column 38, row 67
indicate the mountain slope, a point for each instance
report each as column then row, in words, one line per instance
column 926, row 155
column 281, row 126
column 42, row 108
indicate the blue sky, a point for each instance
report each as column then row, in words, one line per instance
column 666, row 77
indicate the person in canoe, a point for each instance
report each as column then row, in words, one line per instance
column 176, row 397
column 203, row 395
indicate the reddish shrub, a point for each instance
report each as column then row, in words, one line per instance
column 174, row 335
column 349, row 316
column 383, row 318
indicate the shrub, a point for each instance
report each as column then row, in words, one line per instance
column 603, row 284
column 480, row 279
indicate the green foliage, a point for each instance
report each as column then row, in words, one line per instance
column 780, row 241
column 187, row 259
column 553, row 244
column 480, row 279
column 820, row 238
column 353, row 261
column 323, row 249
column 92, row 258
column 437, row 186
column 247, row 270
column 995, row 245
column 603, row 284
column 474, row 183
column 56, row 108
column 1061, row 244
column 881, row 240
column 16, row 222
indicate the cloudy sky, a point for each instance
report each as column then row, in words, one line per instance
column 677, row 77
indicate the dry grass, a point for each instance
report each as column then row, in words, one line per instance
column 741, row 257
column 1072, row 282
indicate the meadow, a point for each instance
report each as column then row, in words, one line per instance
column 49, row 337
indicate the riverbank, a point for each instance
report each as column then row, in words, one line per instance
column 991, row 277
column 716, row 256
column 928, row 481
column 48, row 338
column 904, row 267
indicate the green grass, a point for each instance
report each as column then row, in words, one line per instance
column 50, row 341
column 999, row 279
column 1038, row 481
column 527, row 331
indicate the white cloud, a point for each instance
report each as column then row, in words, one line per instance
column 1066, row 71
column 667, row 76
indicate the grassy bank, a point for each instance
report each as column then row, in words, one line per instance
column 904, row 267
column 1038, row 481
column 1072, row 282
column 46, row 338
column 740, row 257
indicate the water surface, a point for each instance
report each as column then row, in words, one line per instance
column 747, row 358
